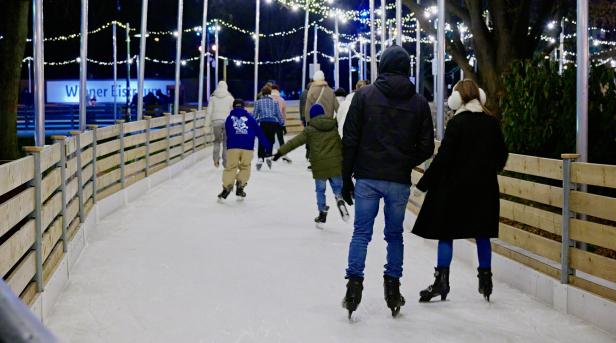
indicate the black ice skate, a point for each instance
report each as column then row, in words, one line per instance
column 239, row 191
column 286, row 159
column 259, row 164
column 225, row 193
column 344, row 212
column 440, row 286
column 485, row 282
column 352, row 297
column 322, row 218
column 269, row 163
column 394, row 299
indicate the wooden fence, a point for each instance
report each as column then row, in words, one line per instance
column 46, row 196
column 533, row 218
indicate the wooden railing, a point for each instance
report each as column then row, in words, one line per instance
column 46, row 196
column 544, row 200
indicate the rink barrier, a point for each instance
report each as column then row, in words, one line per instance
column 47, row 197
column 557, row 201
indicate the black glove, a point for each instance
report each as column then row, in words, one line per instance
column 348, row 190
column 284, row 129
column 277, row 156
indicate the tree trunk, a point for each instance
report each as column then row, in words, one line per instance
column 14, row 27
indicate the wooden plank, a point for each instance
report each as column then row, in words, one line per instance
column 594, row 205
column 86, row 174
column 135, row 178
column 134, row 154
column 189, row 116
column 107, row 148
column 175, row 152
column 71, row 167
column 528, row 241
column 526, row 260
column 16, row 209
column 52, row 262
column 86, row 157
column 533, row 191
column 14, row 248
column 109, row 162
column 602, row 291
column 158, row 122
column 593, row 174
column 596, row 265
column 86, row 138
column 72, row 229
column 175, row 141
column 158, row 134
column 88, row 206
column 175, row 119
column 541, row 219
column 157, row 168
column 108, row 179
column 108, row 132
column 133, row 140
column 188, row 147
column 23, row 273
column 71, row 189
column 108, row 191
column 135, row 126
column 71, row 145
column 16, row 173
column 135, row 167
column 158, row 158
column 175, row 130
column 51, row 237
column 50, row 210
column 188, row 127
column 593, row 233
column 29, row 294
column 72, row 209
column 158, row 146
column 537, row 166
column 88, row 190
column 50, row 183
column 50, row 156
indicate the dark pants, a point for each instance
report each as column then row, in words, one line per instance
column 269, row 129
column 280, row 135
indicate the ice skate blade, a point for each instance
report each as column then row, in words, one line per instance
column 346, row 218
column 395, row 311
column 240, row 199
column 320, row 226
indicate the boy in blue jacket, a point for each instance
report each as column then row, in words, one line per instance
column 241, row 129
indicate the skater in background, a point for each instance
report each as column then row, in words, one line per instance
column 344, row 107
column 321, row 93
column 462, row 198
column 268, row 115
column 325, row 157
column 341, row 95
column 220, row 104
column 282, row 129
column 388, row 132
column 241, row 130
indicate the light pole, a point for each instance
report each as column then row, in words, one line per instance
column 336, row 52
column 350, row 67
column 383, row 25
column 115, row 71
column 582, row 80
column 216, row 54
column 399, row 22
column 417, row 54
column 178, row 59
column 141, row 69
column 39, row 76
column 373, row 64
column 315, row 53
column 561, row 47
column 129, row 61
column 202, row 54
column 305, row 51
column 440, row 106
column 83, row 62
column 257, row 18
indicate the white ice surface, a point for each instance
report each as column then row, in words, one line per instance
column 176, row 266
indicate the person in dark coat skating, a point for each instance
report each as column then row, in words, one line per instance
column 462, row 199
column 387, row 132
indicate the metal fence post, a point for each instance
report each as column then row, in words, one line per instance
column 148, row 132
column 194, row 131
column 94, row 138
column 38, row 223
column 168, row 141
column 82, row 216
column 122, row 162
column 62, row 164
column 566, row 217
column 183, row 114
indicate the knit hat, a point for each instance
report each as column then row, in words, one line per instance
column 316, row 110
column 318, row 76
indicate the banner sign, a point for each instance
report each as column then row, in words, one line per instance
column 67, row 91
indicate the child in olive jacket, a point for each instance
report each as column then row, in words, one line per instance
column 322, row 136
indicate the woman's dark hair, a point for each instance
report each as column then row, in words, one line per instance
column 238, row 103
column 276, row 87
column 267, row 90
column 341, row 92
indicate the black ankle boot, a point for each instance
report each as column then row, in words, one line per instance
column 394, row 299
column 352, row 297
column 440, row 286
column 485, row 282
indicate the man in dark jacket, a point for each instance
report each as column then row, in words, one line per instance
column 388, row 132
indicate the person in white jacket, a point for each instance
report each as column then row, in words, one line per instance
column 218, row 109
column 344, row 106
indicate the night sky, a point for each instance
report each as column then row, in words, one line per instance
column 62, row 17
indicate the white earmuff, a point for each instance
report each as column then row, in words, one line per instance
column 482, row 96
column 455, row 100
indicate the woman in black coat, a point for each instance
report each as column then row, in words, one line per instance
column 462, row 199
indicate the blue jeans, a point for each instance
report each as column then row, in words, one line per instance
column 320, row 188
column 368, row 195
column 484, row 253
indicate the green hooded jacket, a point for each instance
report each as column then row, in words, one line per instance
column 322, row 136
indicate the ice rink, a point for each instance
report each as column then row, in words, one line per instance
column 177, row 266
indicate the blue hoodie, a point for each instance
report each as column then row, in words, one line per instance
column 241, row 129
